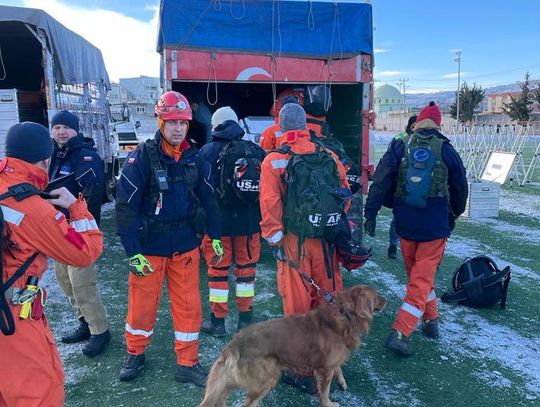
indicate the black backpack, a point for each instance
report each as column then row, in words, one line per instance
column 333, row 144
column 239, row 173
column 313, row 204
column 478, row 282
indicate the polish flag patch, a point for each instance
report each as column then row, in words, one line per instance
column 131, row 160
column 87, row 158
column 59, row 217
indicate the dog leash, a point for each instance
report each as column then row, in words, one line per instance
column 321, row 292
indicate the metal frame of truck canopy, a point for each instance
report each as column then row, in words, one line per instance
column 42, row 56
column 248, row 77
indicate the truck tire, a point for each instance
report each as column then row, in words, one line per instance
column 113, row 172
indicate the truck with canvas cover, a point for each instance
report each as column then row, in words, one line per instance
column 243, row 54
column 46, row 68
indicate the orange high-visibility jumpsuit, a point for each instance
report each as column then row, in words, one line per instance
column 247, row 250
column 298, row 296
column 421, row 262
column 182, row 274
column 31, row 372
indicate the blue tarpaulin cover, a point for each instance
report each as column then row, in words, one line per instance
column 310, row 29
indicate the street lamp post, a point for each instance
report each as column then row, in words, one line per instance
column 458, row 60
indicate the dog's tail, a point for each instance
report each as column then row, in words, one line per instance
column 221, row 379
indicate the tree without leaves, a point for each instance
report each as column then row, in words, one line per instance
column 520, row 107
column 469, row 99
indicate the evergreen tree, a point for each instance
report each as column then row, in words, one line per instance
column 520, row 107
column 469, row 99
column 536, row 94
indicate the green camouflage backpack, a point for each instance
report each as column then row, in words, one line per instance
column 314, row 202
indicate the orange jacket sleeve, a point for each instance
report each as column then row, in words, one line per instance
column 78, row 243
column 272, row 191
column 268, row 138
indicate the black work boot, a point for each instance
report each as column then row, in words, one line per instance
column 392, row 251
column 80, row 334
column 131, row 368
column 96, row 344
column 306, row 384
column 399, row 343
column 195, row 374
column 214, row 326
column 431, row 328
column 245, row 318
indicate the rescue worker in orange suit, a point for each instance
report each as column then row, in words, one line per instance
column 164, row 185
column 297, row 295
column 31, row 372
column 240, row 225
column 270, row 137
column 424, row 178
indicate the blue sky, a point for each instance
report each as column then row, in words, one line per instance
column 413, row 39
column 499, row 41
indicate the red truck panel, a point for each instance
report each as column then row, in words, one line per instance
column 204, row 66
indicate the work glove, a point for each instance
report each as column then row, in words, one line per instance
column 279, row 253
column 369, row 227
column 140, row 266
column 217, row 246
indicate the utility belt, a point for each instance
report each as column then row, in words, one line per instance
column 159, row 227
column 197, row 220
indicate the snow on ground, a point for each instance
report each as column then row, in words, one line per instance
column 490, row 342
column 462, row 248
column 522, row 203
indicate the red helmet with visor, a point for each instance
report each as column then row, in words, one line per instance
column 173, row 106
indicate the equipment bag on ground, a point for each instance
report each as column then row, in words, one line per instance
column 478, row 282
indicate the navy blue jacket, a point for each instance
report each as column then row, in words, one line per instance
column 177, row 205
column 79, row 155
column 243, row 220
column 421, row 225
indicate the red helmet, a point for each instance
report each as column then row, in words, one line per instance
column 173, row 106
column 352, row 255
column 297, row 93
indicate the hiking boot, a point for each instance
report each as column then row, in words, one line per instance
column 306, row 384
column 245, row 318
column 399, row 343
column 392, row 251
column 131, row 368
column 96, row 344
column 431, row 328
column 195, row 374
column 214, row 326
column 80, row 334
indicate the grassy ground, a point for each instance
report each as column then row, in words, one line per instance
column 484, row 358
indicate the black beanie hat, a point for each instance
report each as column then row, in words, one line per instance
column 67, row 119
column 28, row 141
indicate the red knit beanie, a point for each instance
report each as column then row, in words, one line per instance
column 430, row 112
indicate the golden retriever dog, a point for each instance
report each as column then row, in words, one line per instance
column 319, row 341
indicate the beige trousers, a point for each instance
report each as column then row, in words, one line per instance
column 80, row 286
